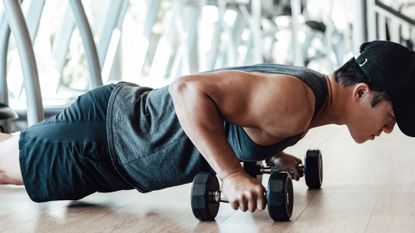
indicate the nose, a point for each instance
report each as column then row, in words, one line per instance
column 388, row 128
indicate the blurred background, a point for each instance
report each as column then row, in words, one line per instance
column 78, row 45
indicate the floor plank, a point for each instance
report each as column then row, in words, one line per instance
column 367, row 188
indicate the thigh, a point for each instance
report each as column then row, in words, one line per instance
column 82, row 122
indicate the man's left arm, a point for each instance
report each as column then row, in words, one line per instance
column 288, row 163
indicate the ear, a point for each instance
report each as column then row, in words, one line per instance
column 360, row 90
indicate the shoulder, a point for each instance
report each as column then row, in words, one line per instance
column 293, row 107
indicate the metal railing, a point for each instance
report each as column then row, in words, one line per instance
column 383, row 13
column 24, row 32
column 375, row 20
column 28, row 62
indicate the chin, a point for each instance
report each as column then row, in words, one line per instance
column 360, row 140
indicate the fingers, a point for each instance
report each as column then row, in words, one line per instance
column 243, row 205
column 257, row 200
column 296, row 169
column 234, row 204
column 250, row 200
column 296, row 173
column 260, row 201
column 244, row 192
column 247, row 201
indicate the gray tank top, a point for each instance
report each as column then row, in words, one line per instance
column 149, row 148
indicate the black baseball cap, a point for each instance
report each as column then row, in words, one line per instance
column 389, row 67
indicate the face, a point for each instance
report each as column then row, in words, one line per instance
column 367, row 122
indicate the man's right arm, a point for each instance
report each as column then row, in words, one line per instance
column 202, row 121
column 255, row 101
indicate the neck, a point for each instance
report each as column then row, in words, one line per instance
column 334, row 110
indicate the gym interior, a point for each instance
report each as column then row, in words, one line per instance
column 54, row 51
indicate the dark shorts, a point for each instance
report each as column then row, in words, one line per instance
column 66, row 156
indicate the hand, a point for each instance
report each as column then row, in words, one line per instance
column 288, row 163
column 243, row 191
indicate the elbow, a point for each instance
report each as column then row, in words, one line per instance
column 183, row 87
column 177, row 87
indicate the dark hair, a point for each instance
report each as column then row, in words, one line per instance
column 350, row 74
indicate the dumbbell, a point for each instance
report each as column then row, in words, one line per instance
column 313, row 169
column 206, row 196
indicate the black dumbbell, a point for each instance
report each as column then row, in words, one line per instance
column 206, row 196
column 313, row 169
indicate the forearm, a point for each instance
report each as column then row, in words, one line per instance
column 203, row 124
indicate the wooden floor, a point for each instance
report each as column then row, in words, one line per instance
column 367, row 188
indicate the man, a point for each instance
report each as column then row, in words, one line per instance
column 124, row 136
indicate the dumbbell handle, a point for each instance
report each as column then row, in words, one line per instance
column 270, row 169
column 217, row 196
column 267, row 169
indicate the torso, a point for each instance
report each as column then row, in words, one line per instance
column 151, row 151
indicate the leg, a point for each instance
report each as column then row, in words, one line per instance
column 9, row 160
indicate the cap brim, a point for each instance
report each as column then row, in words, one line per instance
column 404, row 110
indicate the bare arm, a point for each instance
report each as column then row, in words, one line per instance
column 203, row 123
